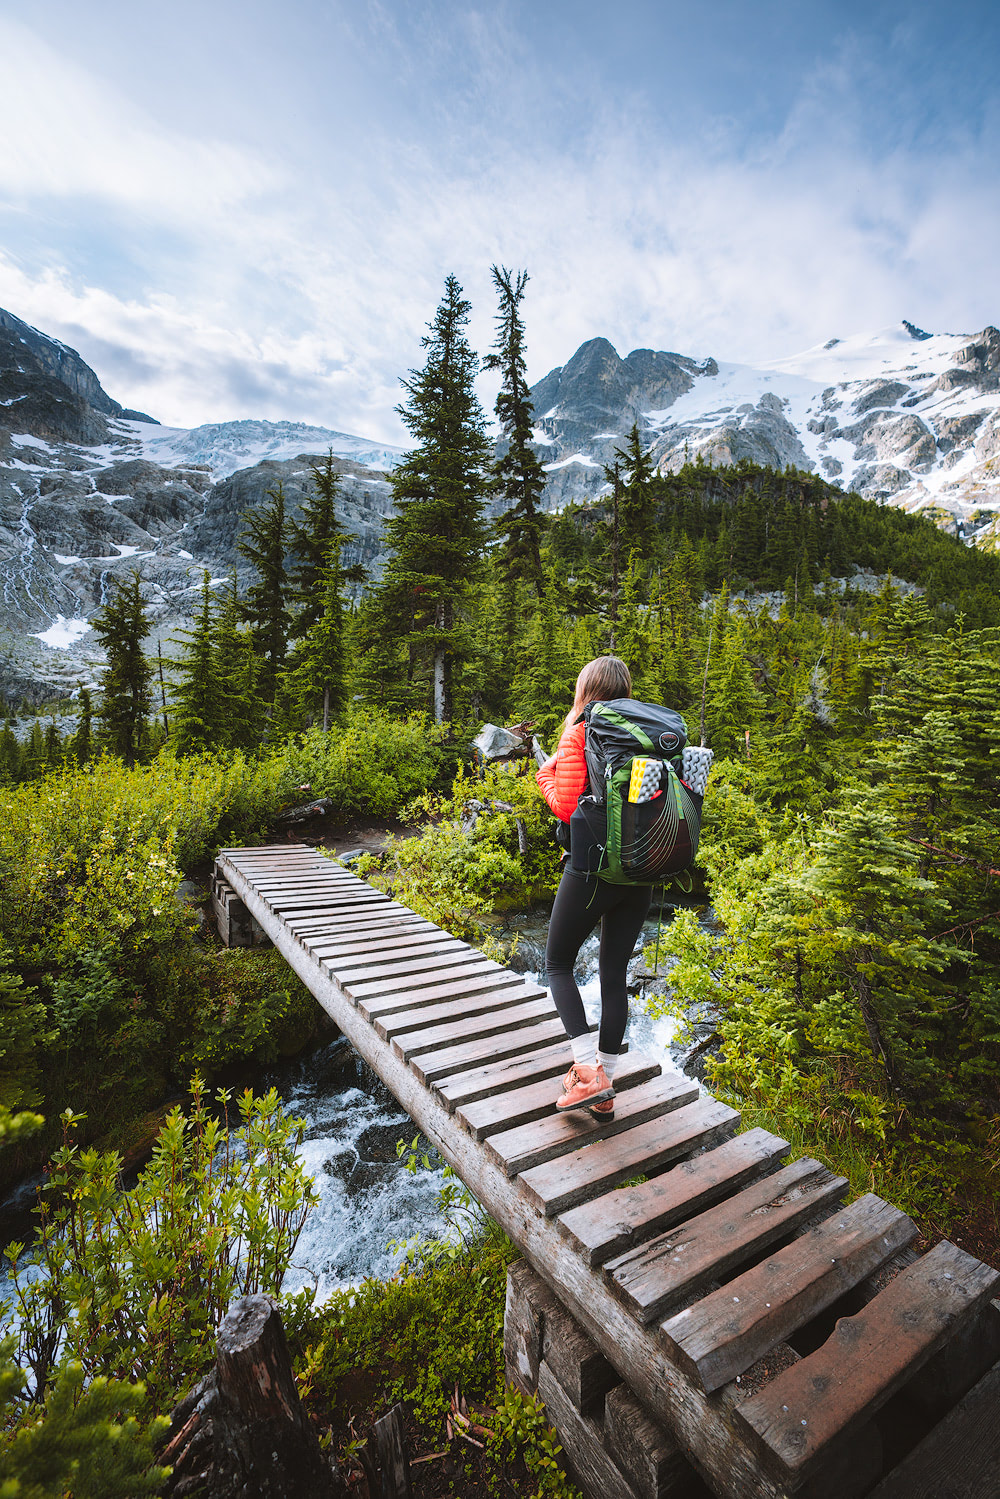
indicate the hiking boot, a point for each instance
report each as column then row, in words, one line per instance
column 604, row 1110
column 584, row 1085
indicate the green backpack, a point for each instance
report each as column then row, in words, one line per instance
column 640, row 821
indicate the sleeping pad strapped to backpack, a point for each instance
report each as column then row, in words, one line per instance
column 640, row 822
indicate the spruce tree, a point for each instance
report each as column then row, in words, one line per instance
column 81, row 744
column 317, row 677
column 309, row 547
column 196, row 690
column 437, row 535
column 121, row 627
column 11, row 757
column 241, row 715
column 518, row 474
column 263, row 543
column 637, row 504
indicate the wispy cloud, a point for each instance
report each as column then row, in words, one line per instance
column 211, row 270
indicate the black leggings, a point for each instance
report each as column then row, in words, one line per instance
column 579, row 905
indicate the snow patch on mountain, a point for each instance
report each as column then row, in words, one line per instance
column 225, row 447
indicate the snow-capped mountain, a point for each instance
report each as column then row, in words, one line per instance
column 90, row 490
column 901, row 416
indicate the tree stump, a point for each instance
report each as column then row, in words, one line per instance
column 393, row 1459
column 242, row 1433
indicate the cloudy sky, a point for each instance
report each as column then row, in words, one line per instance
column 247, row 208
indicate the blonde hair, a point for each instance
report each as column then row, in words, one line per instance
column 603, row 678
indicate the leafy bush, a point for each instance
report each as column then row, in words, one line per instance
column 135, row 1284
column 373, row 766
column 453, row 871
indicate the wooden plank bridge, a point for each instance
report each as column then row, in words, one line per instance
column 783, row 1339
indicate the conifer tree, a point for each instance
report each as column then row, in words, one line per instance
column 637, row 505
column 518, row 474
column 81, row 744
column 11, row 758
column 309, row 545
column 635, row 643
column 34, row 757
column 240, row 714
column 263, row 543
column 196, row 691
column 121, row 627
column 437, row 534
column 317, row 675
column 611, row 531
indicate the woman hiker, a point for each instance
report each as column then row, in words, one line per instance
column 581, row 902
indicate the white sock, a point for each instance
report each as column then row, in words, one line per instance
column 609, row 1061
column 583, row 1049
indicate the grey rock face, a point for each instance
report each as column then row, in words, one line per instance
column 881, row 393
column 597, row 392
column 60, row 363
column 366, row 501
column 883, row 436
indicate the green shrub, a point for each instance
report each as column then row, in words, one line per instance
column 453, row 872
column 88, row 1440
column 134, row 1285
column 372, row 766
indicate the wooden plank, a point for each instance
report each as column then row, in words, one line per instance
column 438, row 1064
column 396, row 962
column 351, row 900
column 528, row 1302
column 392, row 918
column 361, row 945
column 583, row 1371
column 511, row 990
column 448, row 973
column 269, row 875
column 418, row 967
column 868, row 1358
column 666, row 1271
column 417, row 1043
column 630, row 1215
column 397, row 1023
column 468, row 981
column 318, row 890
column 959, row 1458
column 489, row 1116
column 645, row 1451
column 277, row 863
column 500, row 1077
column 731, row 1328
column 561, row 1184
column 518, row 1150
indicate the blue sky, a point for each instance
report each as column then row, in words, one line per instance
column 249, row 209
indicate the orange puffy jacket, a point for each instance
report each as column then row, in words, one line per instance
column 563, row 779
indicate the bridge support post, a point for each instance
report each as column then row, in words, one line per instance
column 236, row 926
column 612, row 1446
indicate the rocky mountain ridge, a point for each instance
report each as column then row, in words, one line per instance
column 902, row 416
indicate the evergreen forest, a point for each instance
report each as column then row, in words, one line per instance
column 841, row 658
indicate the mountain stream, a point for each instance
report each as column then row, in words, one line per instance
column 367, row 1198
